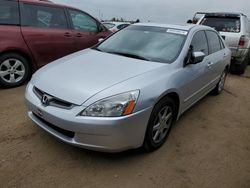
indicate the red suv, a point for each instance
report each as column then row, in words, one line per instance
column 36, row 32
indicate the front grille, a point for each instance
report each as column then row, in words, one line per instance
column 64, row 132
column 54, row 101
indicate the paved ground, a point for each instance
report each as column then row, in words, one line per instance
column 208, row 147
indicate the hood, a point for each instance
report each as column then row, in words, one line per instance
column 77, row 77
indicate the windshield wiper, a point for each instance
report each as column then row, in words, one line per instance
column 130, row 55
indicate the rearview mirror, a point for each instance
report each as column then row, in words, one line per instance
column 197, row 57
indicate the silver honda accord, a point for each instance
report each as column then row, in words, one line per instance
column 127, row 91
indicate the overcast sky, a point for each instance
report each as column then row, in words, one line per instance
column 165, row 11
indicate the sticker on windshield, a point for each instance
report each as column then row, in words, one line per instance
column 176, row 31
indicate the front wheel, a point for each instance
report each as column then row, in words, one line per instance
column 14, row 70
column 159, row 125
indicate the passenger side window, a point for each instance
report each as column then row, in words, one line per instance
column 199, row 42
column 44, row 17
column 83, row 22
column 9, row 12
column 213, row 42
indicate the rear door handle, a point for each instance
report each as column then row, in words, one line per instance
column 67, row 34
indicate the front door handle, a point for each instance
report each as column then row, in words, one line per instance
column 67, row 34
column 209, row 64
column 78, row 35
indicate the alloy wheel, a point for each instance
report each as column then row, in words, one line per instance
column 162, row 124
column 12, row 70
column 222, row 81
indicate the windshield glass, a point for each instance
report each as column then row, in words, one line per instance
column 146, row 42
column 223, row 24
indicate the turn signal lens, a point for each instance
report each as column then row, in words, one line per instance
column 129, row 109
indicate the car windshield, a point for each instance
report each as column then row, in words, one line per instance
column 146, row 42
column 223, row 24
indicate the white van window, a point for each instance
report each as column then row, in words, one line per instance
column 223, row 24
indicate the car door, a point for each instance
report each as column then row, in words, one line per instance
column 46, row 32
column 216, row 57
column 193, row 76
column 86, row 30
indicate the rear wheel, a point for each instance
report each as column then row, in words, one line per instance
column 160, row 123
column 220, row 86
column 240, row 68
column 14, row 70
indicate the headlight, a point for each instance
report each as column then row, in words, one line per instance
column 118, row 105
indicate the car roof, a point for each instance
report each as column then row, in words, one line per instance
column 222, row 13
column 116, row 23
column 46, row 2
column 185, row 27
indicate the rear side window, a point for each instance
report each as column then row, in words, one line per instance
column 44, row 17
column 213, row 42
column 223, row 24
column 199, row 42
column 9, row 12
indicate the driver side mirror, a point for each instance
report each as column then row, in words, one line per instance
column 194, row 57
column 101, row 28
column 190, row 21
column 197, row 57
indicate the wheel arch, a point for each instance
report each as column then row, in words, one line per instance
column 175, row 97
column 23, row 54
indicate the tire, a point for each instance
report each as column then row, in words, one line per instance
column 151, row 141
column 220, row 86
column 14, row 70
column 241, row 68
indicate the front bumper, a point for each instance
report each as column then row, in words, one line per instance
column 95, row 133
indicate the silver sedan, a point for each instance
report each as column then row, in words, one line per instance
column 127, row 91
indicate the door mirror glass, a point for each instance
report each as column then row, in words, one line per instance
column 197, row 57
